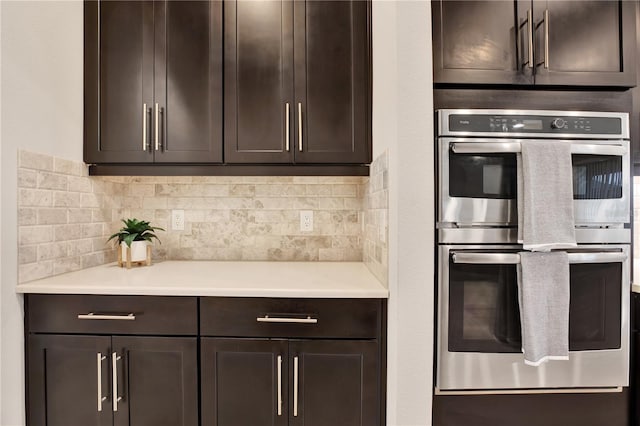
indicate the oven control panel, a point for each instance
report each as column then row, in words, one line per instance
column 535, row 124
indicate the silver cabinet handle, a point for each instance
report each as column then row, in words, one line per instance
column 295, row 386
column 92, row 316
column 144, row 127
column 514, row 258
column 99, row 359
column 530, row 36
column 157, row 136
column 299, row 126
column 515, row 147
column 307, row 320
column 286, row 125
column 279, row 385
column 546, row 38
column 114, row 368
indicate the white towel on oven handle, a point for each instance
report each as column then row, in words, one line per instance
column 543, row 294
column 545, row 196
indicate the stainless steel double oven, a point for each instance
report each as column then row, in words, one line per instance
column 478, row 320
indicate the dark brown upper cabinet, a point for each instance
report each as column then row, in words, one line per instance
column 153, row 82
column 297, row 82
column 562, row 43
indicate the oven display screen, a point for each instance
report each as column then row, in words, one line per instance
column 532, row 124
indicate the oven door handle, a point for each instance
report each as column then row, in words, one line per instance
column 514, row 258
column 514, row 147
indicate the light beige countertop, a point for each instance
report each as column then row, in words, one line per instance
column 208, row 278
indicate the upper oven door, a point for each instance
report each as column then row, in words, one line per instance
column 477, row 181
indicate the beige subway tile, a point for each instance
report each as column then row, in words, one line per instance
column 149, row 179
column 47, row 180
column 67, row 232
column 254, row 254
column 90, row 201
column 344, row 190
column 190, row 190
column 242, row 190
column 35, row 198
column 69, row 264
column 66, row 199
column 331, row 203
column 306, row 203
column 154, row 203
column 54, row 216
column 318, row 190
column 180, row 253
column 34, row 234
column 90, row 230
column 80, row 247
column 27, row 178
column 279, row 254
column 179, row 179
column 80, row 215
column 35, row 271
column 330, row 255
column 306, row 179
column 93, row 259
column 101, row 243
column 216, row 253
column 33, row 160
column 27, row 216
column 52, row 251
column 353, row 255
column 79, row 184
column 27, row 254
column 141, row 190
column 67, row 167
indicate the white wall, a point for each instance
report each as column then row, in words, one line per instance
column 403, row 125
column 41, row 82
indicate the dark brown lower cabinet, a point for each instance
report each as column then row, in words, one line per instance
column 249, row 382
column 119, row 381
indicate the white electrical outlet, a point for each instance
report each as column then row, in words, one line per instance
column 177, row 220
column 306, row 220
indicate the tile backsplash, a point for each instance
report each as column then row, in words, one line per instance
column 65, row 216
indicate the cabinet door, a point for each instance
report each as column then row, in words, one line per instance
column 118, row 81
column 585, row 42
column 332, row 82
column 187, row 115
column 68, row 377
column 244, row 382
column 334, row 383
column 258, row 54
column 485, row 42
column 156, row 381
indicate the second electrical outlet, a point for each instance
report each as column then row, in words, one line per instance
column 177, row 220
column 306, row 220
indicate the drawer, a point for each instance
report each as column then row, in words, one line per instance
column 92, row 314
column 290, row 318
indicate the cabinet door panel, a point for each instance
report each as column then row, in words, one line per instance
column 157, row 381
column 188, row 81
column 481, row 42
column 62, row 380
column 338, row 383
column 122, row 75
column 240, row 382
column 332, row 82
column 258, row 50
column 590, row 42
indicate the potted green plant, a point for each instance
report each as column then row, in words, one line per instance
column 135, row 237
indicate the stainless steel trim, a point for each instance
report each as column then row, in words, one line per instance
column 530, row 36
column 299, row 126
column 114, row 368
column 546, row 39
column 157, row 136
column 476, row 235
column 443, row 123
column 279, row 385
column 286, row 126
column 515, row 147
column 295, row 386
column 92, row 316
column 528, row 391
column 144, row 127
column 307, row 320
column 99, row 359
column 514, row 258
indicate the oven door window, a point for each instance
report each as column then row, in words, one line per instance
column 490, row 176
column 596, row 177
column 484, row 315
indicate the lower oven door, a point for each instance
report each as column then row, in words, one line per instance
column 479, row 337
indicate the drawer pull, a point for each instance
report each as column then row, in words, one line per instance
column 279, row 385
column 101, row 399
column 307, row 320
column 295, row 386
column 92, row 316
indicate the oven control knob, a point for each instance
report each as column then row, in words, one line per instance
column 558, row 123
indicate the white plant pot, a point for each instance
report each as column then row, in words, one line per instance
column 138, row 250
